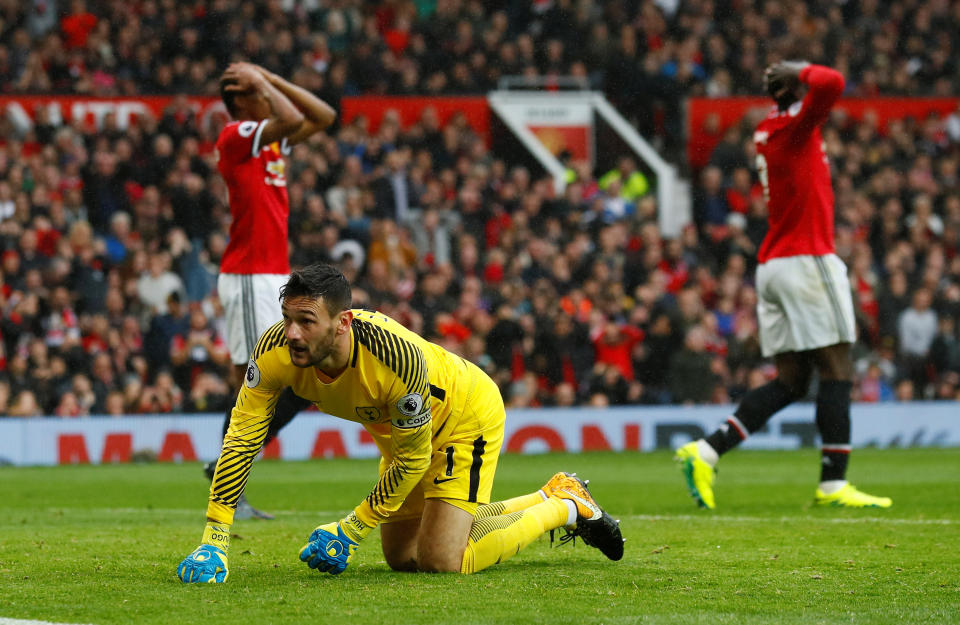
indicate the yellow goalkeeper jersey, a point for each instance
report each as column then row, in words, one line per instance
column 407, row 392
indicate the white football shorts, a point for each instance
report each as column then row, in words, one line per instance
column 251, row 304
column 804, row 303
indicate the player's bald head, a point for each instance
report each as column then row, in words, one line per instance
column 319, row 281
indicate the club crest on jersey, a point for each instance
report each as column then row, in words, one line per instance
column 276, row 168
column 368, row 413
column 252, row 377
column 410, row 405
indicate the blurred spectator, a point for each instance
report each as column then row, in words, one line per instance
column 163, row 328
column 4, row 397
column 100, row 226
column 945, row 347
column 115, row 405
column 25, row 404
column 691, row 375
column 196, row 349
column 395, row 192
column 157, row 283
column 917, row 327
column 163, row 396
column 209, row 393
column 631, row 183
column 613, row 344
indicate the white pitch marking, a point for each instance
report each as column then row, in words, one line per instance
column 787, row 519
column 16, row 621
column 706, row 516
column 193, row 511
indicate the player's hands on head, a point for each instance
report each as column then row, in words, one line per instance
column 243, row 77
column 783, row 77
column 249, row 67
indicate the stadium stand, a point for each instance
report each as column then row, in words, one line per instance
column 110, row 239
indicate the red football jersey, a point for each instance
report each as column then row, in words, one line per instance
column 794, row 171
column 254, row 175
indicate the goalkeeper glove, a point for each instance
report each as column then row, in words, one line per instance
column 331, row 547
column 208, row 562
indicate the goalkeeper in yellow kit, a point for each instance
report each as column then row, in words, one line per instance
column 437, row 421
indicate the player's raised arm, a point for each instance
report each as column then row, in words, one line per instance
column 317, row 114
column 246, row 80
column 824, row 84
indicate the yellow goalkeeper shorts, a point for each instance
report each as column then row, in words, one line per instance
column 463, row 466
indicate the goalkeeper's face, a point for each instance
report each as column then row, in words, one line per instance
column 311, row 331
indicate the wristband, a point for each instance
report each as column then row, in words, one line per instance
column 354, row 528
column 216, row 534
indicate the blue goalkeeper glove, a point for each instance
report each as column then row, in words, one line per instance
column 331, row 547
column 208, row 562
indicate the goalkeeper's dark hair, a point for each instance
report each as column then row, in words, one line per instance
column 319, row 281
column 229, row 97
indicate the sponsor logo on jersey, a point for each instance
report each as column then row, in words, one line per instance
column 412, row 422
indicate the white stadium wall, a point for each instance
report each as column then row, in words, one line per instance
column 314, row 435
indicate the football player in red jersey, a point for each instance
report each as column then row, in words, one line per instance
column 804, row 309
column 269, row 115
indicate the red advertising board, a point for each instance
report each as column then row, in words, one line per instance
column 721, row 113
column 93, row 110
column 410, row 109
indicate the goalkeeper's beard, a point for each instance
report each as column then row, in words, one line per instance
column 305, row 355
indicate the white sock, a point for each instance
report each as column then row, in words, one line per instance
column 707, row 453
column 831, row 486
column 571, row 512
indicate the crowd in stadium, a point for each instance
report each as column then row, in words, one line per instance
column 111, row 238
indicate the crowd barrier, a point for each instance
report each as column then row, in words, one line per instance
column 177, row 438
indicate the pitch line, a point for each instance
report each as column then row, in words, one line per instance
column 706, row 516
column 16, row 621
column 193, row 511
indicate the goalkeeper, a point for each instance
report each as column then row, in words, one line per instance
column 437, row 421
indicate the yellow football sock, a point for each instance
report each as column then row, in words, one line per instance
column 498, row 538
column 507, row 506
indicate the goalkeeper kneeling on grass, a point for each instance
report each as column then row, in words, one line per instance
column 437, row 421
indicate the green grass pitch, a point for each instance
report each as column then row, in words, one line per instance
column 100, row 545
